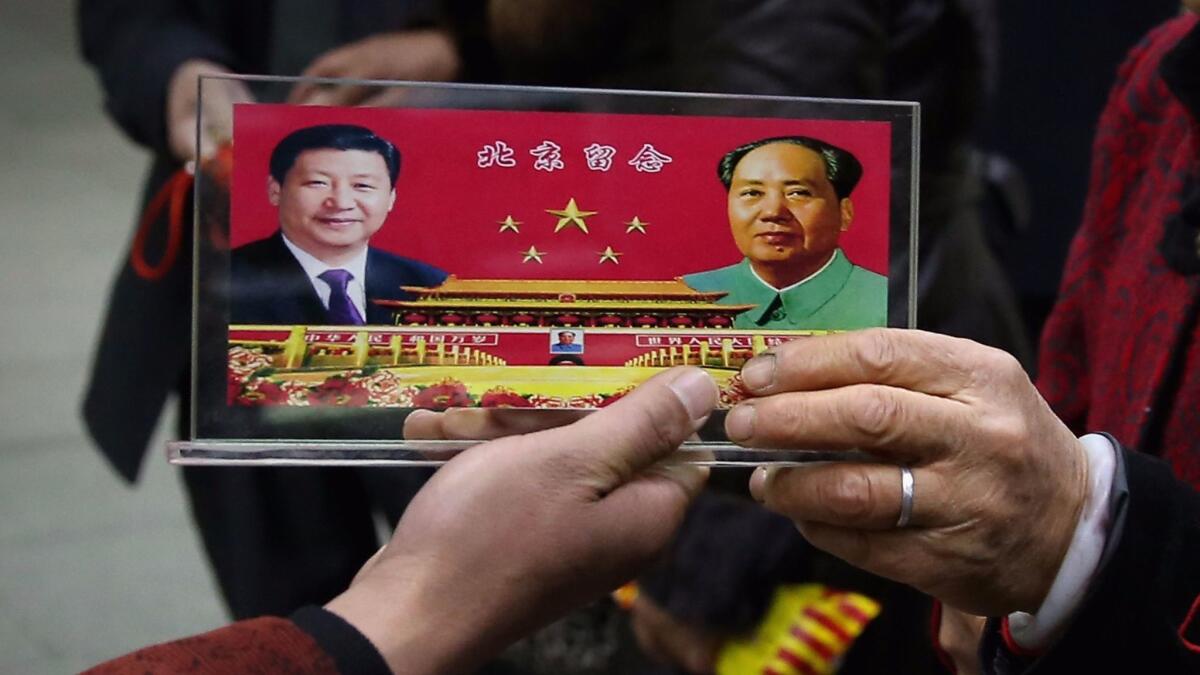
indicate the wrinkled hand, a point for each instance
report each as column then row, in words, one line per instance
column 999, row 480
column 425, row 55
column 511, row 533
column 674, row 642
column 216, row 113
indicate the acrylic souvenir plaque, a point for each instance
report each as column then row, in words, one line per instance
column 527, row 248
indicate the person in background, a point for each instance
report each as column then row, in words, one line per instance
column 277, row 539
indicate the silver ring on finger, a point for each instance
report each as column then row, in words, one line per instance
column 906, row 497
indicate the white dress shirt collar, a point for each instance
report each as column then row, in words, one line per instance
column 314, row 268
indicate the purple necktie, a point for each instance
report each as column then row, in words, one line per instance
column 342, row 312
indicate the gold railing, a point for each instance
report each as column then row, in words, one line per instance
column 296, row 352
column 701, row 355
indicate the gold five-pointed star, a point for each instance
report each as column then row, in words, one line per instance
column 533, row 254
column 608, row 254
column 509, row 224
column 571, row 215
column 637, row 224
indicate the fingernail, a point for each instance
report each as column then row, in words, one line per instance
column 759, row 372
column 687, row 476
column 696, row 391
column 419, row 412
column 739, row 424
column 758, row 484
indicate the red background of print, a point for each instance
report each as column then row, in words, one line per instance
column 448, row 209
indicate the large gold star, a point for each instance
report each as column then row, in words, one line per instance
column 637, row 224
column 509, row 224
column 533, row 254
column 571, row 215
column 608, row 254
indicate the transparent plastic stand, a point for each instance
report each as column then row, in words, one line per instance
column 434, row 453
column 556, row 211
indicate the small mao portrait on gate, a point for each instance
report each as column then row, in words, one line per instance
column 439, row 257
column 566, row 341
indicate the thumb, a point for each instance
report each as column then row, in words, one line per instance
column 620, row 441
column 618, row 454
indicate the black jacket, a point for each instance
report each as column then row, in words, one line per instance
column 145, row 343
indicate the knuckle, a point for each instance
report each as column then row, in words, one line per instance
column 877, row 352
column 850, row 493
column 999, row 365
column 779, row 422
column 1009, row 431
column 1007, row 364
column 877, row 416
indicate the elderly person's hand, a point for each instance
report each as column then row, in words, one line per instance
column 215, row 109
column 511, row 533
column 998, row 481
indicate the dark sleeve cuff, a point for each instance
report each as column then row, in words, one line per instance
column 349, row 649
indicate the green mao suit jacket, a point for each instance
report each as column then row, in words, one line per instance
column 843, row 296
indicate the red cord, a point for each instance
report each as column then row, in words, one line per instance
column 1183, row 627
column 174, row 193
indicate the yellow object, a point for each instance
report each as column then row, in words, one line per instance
column 626, row 595
column 636, row 225
column 608, row 254
column 533, row 254
column 571, row 215
column 807, row 629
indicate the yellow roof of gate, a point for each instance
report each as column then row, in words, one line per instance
column 674, row 288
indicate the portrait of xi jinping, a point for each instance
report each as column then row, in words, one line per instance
column 332, row 187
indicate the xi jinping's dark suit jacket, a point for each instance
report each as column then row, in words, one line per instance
column 270, row 287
